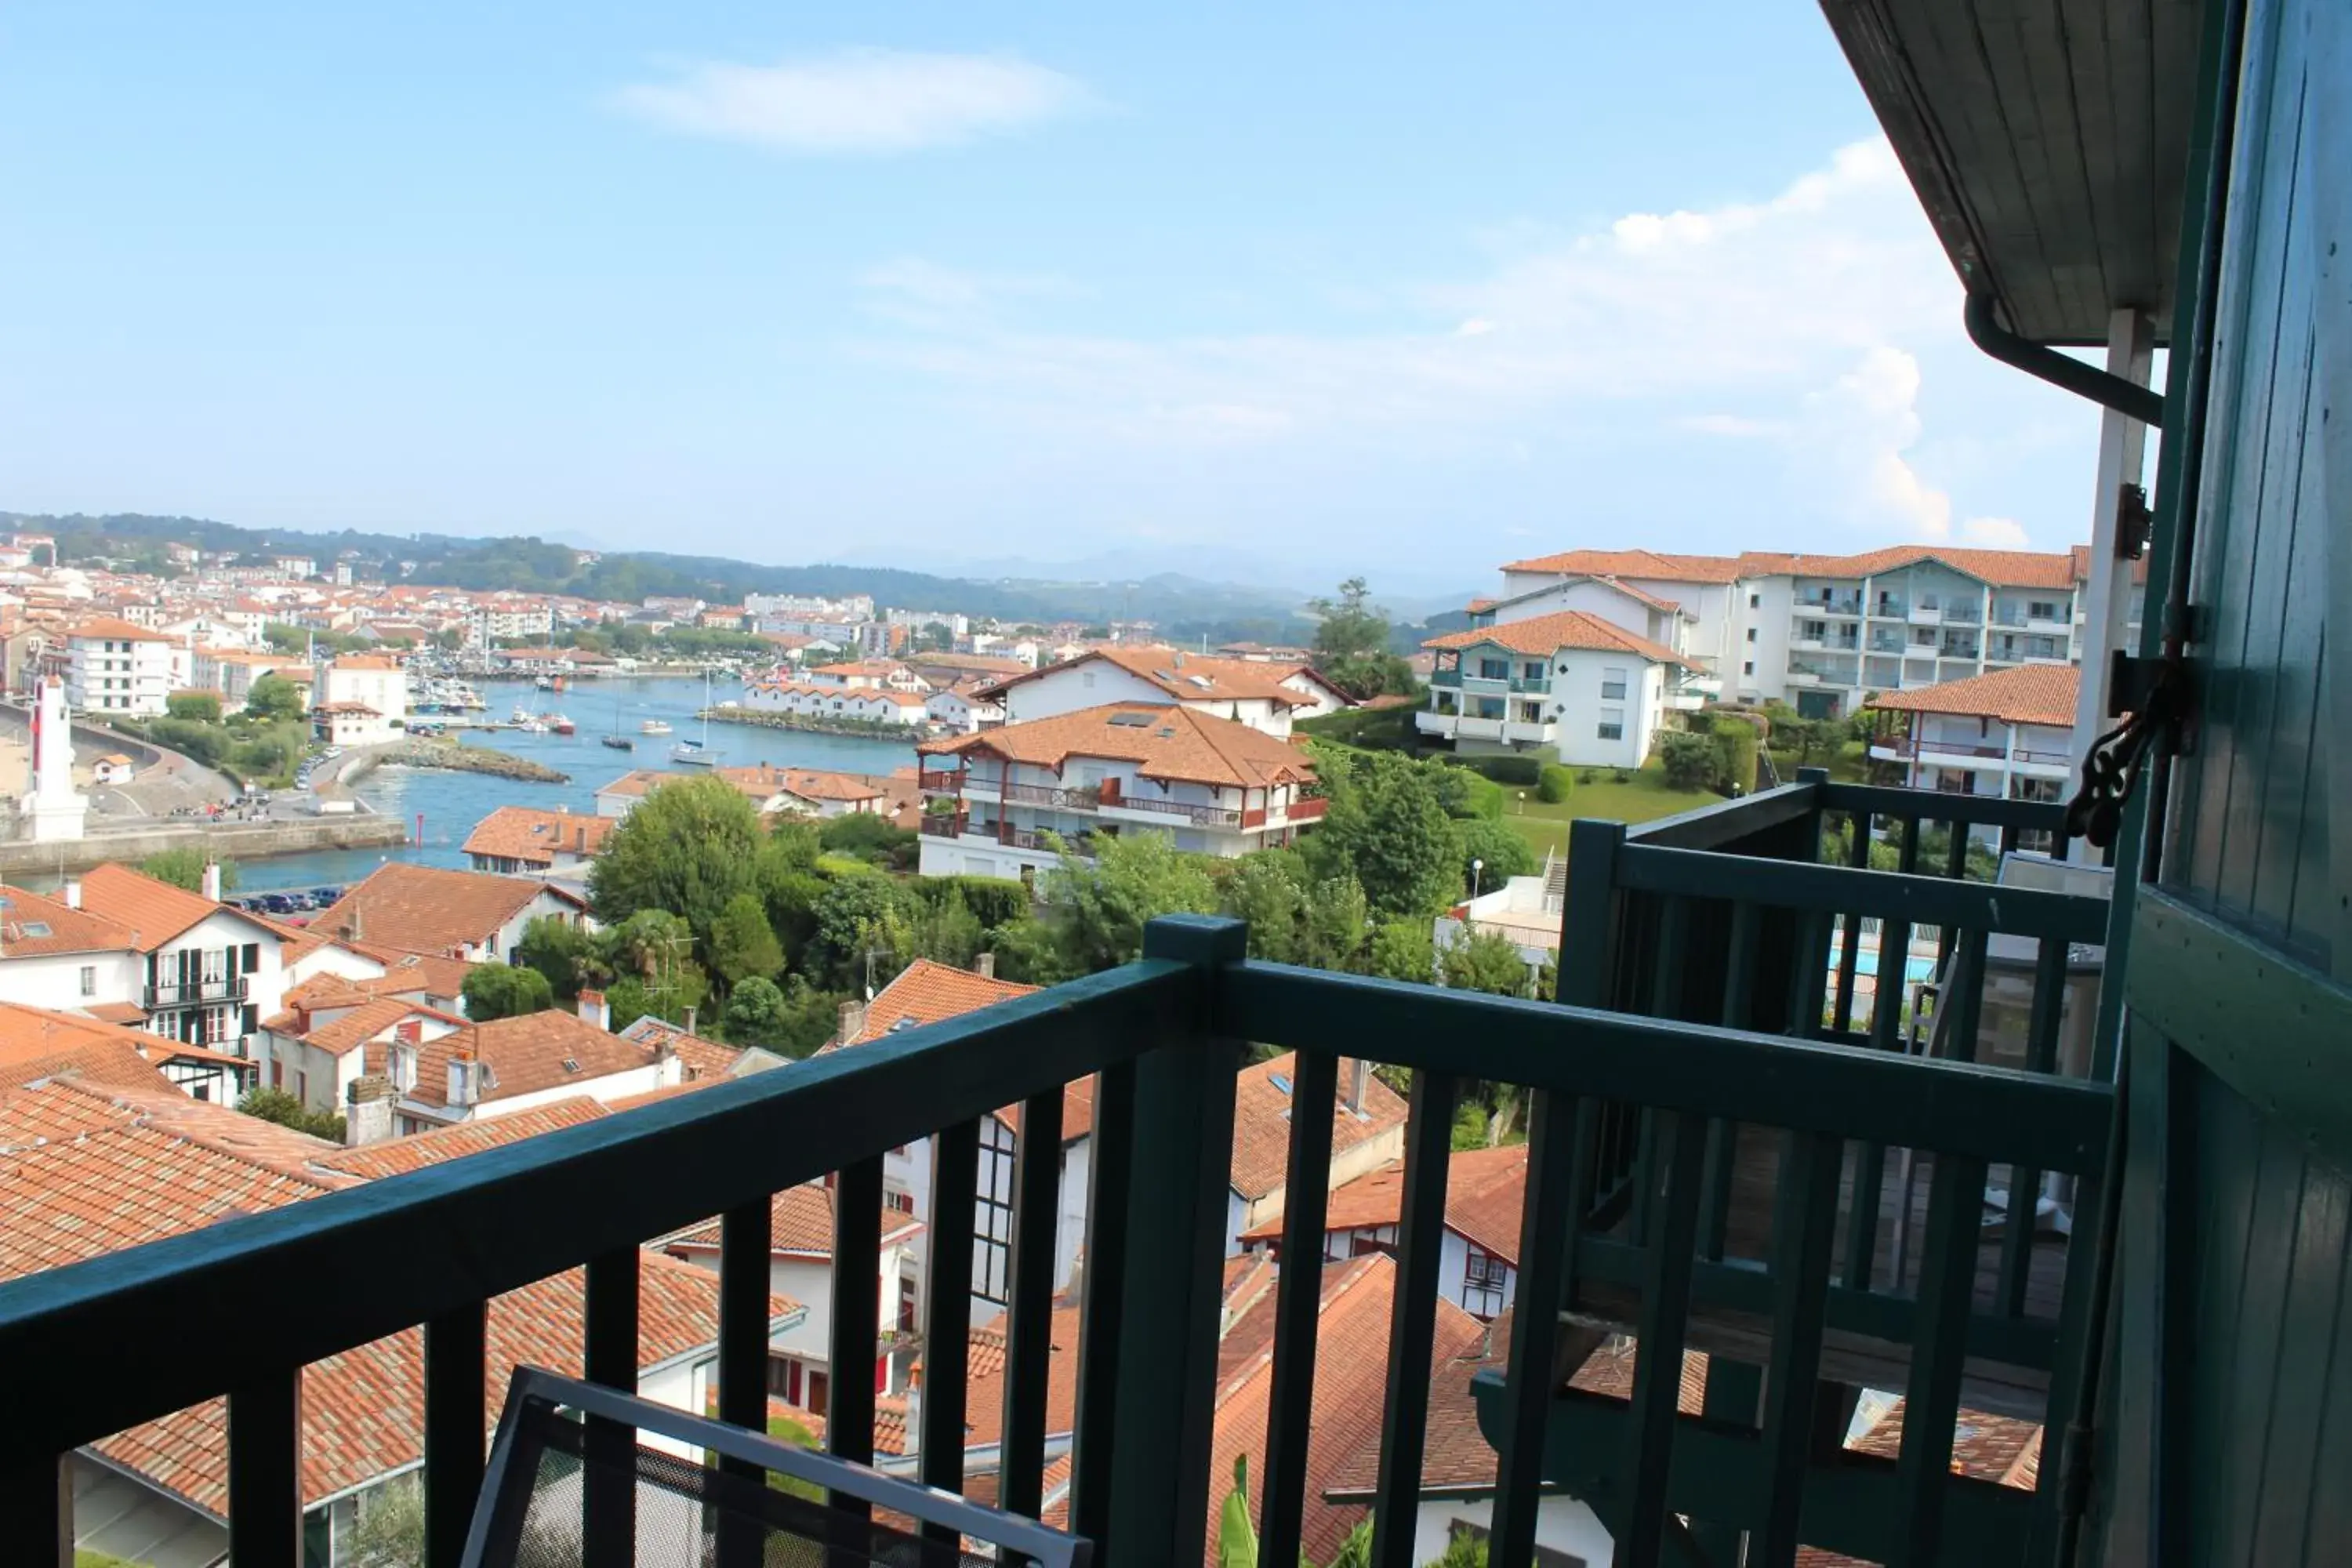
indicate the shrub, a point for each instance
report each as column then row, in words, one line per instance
column 280, row 1106
column 995, row 900
column 505, row 991
column 1503, row 768
column 1552, row 784
column 1586, row 775
column 1619, row 776
column 1735, row 739
column 1389, row 728
column 1689, row 762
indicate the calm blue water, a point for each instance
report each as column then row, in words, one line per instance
column 452, row 803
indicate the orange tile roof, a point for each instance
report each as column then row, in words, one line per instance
column 928, row 993
column 1187, row 677
column 984, row 1398
column 431, row 973
column 2029, row 694
column 423, row 909
column 370, row 1020
column 532, row 833
column 1261, row 1160
column 1644, row 564
column 33, row 925
column 2002, row 1449
column 1345, row 1418
column 1546, row 635
column 526, row 1055
column 800, row 1223
column 398, row 1156
column 2001, row 568
column 154, row 912
column 111, row 628
column 1168, row 743
column 1484, row 1191
column 364, row 1410
column 102, row 1059
column 32, row 1037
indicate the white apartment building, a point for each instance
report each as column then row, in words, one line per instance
column 374, row 680
column 1571, row 680
column 1004, row 802
column 1821, row 631
column 2009, row 733
column 113, row 667
column 496, row 622
column 867, row 704
column 1265, row 697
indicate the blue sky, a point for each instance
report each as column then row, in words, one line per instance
column 1411, row 291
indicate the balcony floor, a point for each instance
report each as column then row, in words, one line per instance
column 1999, row 1388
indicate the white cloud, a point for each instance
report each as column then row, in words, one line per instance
column 1808, row 313
column 1995, row 533
column 857, row 100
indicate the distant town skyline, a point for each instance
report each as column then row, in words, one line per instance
column 1239, row 295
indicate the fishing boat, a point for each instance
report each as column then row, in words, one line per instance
column 655, row 727
column 559, row 724
column 614, row 737
column 544, row 683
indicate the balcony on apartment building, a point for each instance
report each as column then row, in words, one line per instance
column 1819, row 601
column 1817, row 635
column 2046, row 760
column 194, row 992
column 1070, row 809
column 1720, row 1166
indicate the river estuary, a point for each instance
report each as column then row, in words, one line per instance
column 452, row 803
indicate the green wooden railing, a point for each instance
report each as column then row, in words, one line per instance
column 1163, row 1037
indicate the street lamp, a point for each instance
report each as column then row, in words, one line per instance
column 1475, row 867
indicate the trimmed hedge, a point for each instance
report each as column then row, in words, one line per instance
column 1504, row 768
column 1735, row 739
column 1552, row 782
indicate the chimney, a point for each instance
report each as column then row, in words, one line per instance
column 593, row 1009
column 73, row 892
column 1359, row 1073
column 984, row 966
column 464, row 1080
column 688, row 1025
column 213, row 880
column 580, row 838
column 853, row 1018
column 367, row 1118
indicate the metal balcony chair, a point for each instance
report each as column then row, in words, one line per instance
column 572, row 1484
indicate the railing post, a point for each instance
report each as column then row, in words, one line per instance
column 1588, row 912
column 1179, row 1198
column 37, row 1514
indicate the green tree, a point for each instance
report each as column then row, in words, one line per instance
column 197, row 707
column 1403, row 950
column 1689, row 762
column 390, row 1529
column 1236, row 1538
column 947, row 931
column 1098, row 912
column 864, row 932
column 1338, row 924
column 687, row 848
column 1387, row 826
column 280, row 1106
column 274, row 698
column 1483, row 960
column 755, row 1012
column 867, row 835
column 561, row 950
column 184, row 868
column 1500, row 854
column 1268, row 891
column 742, row 943
column 505, row 991
column 1351, row 644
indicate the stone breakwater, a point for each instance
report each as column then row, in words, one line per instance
column 230, row 841
column 460, row 758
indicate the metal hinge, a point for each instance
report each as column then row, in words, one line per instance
column 2135, row 523
column 2155, row 700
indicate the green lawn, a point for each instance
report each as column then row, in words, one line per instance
column 1642, row 798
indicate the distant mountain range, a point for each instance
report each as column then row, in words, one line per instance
column 1185, row 606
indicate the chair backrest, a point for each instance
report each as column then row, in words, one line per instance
column 576, row 1467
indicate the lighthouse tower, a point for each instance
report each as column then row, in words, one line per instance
column 52, row 810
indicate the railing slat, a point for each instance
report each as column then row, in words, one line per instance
column 1298, row 1308
column 1964, row 996
column 1857, row 858
column 1956, row 869
column 1931, row 1401
column 265, row 1469
column 1667, row 974
column 1662, row 1327
column 455, row 1364
column 1808, row 986
column 1412, row 1318
column 1804, row 1234
column 610, row 1357
column 2025, row 1181
column 1110, row 1168
column 946, row 1310
column 1029, row 1327
column 1559, row 1146
column 744, row 1263
column 37, row 1514
column 857, row 1314
column 1739, row 966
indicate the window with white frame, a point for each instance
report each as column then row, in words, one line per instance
column 1613, row 685
column 1482, row 1284
column 1613, row 724
column 90, row 979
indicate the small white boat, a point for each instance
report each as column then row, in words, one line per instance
column 654, row 727
column 693, row 754
column 531, row 727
